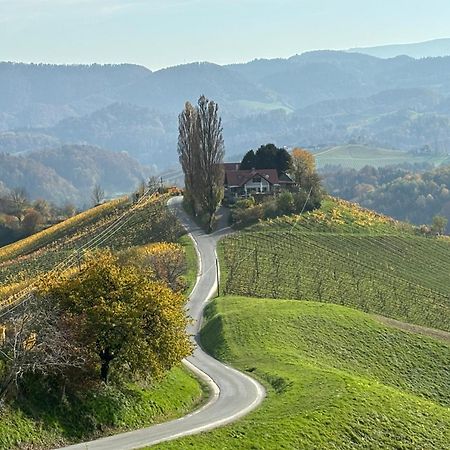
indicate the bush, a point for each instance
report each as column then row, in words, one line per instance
column 243, row 217
column 245, row 203
column 285, row 203
column 303, row 203
column 270, row 209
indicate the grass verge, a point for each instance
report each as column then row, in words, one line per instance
column 191, row 261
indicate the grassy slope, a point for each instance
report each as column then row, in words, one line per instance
column 357, row 156
column 342, row 254
column 43, row 422
column 336, row 379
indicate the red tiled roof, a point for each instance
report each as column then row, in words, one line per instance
column 240, row 177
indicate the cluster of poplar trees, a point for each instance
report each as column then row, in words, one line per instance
column 201, row 151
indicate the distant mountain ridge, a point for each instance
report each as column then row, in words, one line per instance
column 427, row 49
column 322, row 98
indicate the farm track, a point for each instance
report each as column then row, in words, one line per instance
column 416, row 329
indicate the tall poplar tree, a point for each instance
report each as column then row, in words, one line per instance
column 201, row 151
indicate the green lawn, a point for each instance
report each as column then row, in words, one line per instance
column 357, row 156
column 336, row 379
column 41, row 420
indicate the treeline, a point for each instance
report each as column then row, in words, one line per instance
column 414, row 193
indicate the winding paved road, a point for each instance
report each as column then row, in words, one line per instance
column 234, row 394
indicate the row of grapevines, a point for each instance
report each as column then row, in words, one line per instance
column 387, row 275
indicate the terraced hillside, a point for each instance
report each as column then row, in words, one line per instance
column 335, row 378
column 345, row 255
column 117, row 224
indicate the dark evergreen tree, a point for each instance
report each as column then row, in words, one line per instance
column 267, row 157
column 248, row 161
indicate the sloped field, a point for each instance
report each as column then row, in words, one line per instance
column 336, row 379
column 344, row 254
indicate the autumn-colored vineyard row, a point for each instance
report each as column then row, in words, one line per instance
column 337, row 215
column 104, row 226
column 403, row 277
column 59, row 230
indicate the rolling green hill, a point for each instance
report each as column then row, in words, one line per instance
column 336, row 378
column 356, row 156
column 346, row 255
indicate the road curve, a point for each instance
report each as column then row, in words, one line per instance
column 234, row 394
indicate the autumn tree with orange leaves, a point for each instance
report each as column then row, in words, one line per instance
column 303, row 170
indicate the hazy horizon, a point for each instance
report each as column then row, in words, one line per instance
column 164, row 33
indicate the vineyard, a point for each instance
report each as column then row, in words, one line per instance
column 397, row 275
column 336, row 215
column 117, row 224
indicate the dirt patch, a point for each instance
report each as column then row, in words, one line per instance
column 431, row 332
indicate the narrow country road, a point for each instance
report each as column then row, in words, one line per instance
column 234, row 394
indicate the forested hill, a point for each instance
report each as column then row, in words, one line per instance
column 406, row 194
column 69, row 173
column 315, row 99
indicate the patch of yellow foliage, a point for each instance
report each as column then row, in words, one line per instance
column 43, row 236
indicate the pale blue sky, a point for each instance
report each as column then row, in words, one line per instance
column 160, row 33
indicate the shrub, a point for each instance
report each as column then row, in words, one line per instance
column 285, row 203
column 270, row 209
column 243, row 217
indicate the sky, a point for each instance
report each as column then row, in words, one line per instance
column 162, row 33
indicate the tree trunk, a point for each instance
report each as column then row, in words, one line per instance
column 210, row 223
column 4, row 388
column 106, row 357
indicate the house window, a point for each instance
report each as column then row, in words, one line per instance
column 256, row 179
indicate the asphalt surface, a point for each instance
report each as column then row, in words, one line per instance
column 234, row 394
